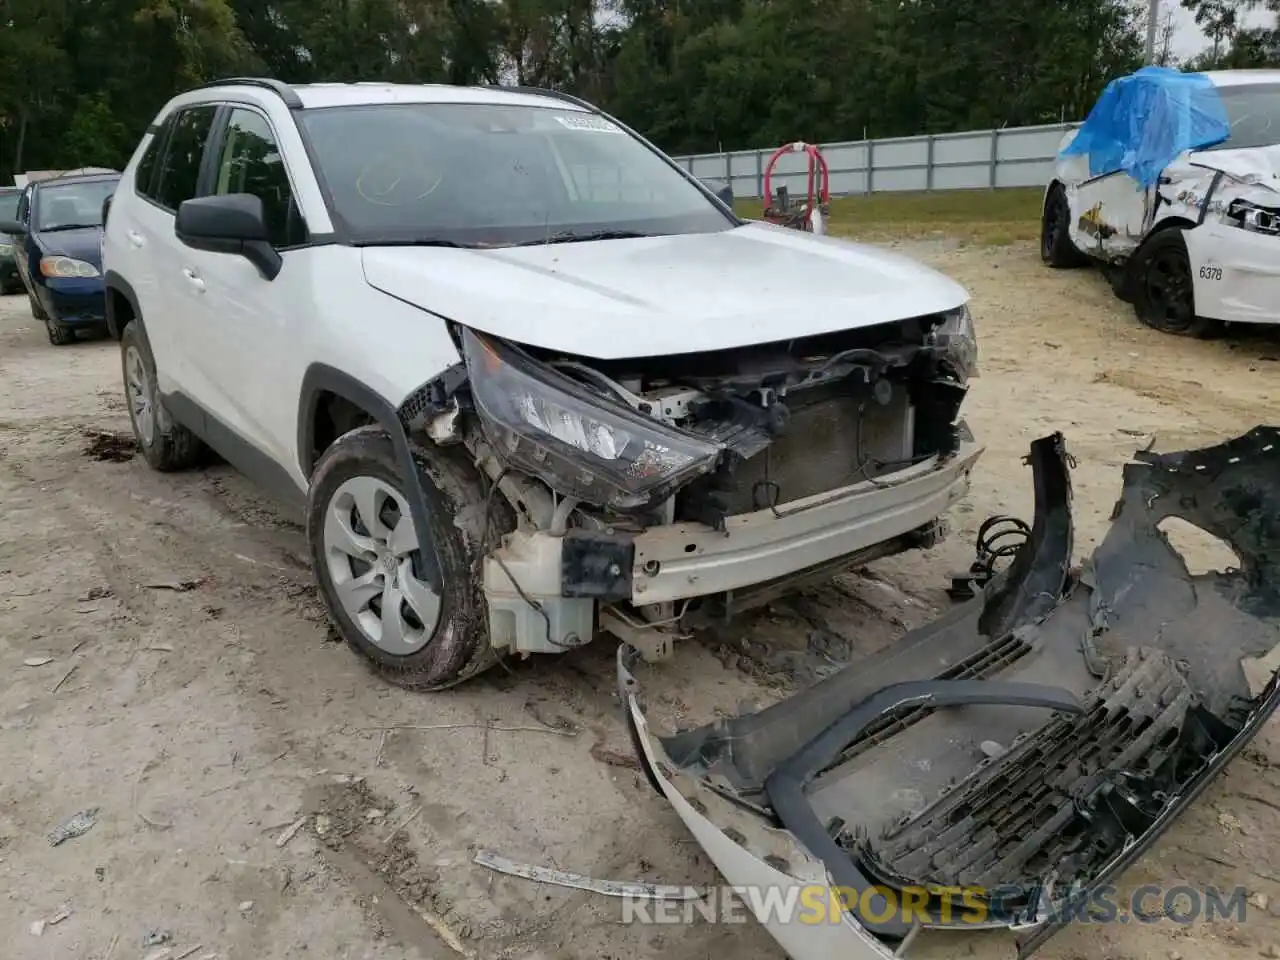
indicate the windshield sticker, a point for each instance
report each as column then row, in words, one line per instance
column 593, row 124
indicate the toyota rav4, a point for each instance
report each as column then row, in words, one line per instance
column 526, row 378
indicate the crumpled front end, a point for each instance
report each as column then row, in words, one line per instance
column 993, row 768
column 654, row 494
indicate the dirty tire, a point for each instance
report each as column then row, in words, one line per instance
column 1163, row 290
column 59, row 335
column 166, row 448
column 1056, row 248
column 458, row 648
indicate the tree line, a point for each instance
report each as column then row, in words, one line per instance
column 81, row 79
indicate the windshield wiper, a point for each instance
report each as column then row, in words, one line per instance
column 413, row 242
column 568, row 236
column 69, row 226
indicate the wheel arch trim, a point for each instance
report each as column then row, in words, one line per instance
column 319, row 379
column 115, row 283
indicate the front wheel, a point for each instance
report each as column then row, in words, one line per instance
column 1164, row 293
column 59, row 335
column 1056, row 248
column 366, row 553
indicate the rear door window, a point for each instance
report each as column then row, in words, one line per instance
column 180, row 171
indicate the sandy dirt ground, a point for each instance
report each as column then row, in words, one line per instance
column 167, row 665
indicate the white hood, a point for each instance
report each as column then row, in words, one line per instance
column 613, row 299
column 1259, row 165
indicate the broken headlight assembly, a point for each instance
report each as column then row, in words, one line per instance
column 957, row 343
column 1251, row 217
column 580, row 443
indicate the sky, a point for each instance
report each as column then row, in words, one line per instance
column 1187, row 38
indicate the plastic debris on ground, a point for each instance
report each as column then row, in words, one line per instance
column 1142, row 122
column 38, row 926
column 75, row 826
column 576, row 881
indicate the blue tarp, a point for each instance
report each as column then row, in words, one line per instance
column 1143, row 121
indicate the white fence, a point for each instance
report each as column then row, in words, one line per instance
column 1012, row 157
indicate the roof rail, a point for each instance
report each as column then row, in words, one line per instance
column 546, row 92
column 81, row 172
column 283, row 90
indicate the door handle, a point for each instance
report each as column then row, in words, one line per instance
column 135, row 239
column 194, row 279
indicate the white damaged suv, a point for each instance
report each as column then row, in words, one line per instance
column 527, row 379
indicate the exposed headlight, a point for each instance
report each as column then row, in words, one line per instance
column 6, row 249
column 958, row 342
column 580, row 443
column 1251, row 217
column 65, row 267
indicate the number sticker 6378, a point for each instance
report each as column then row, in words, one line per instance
column 1210, row 273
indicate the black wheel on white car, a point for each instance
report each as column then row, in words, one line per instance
column 1056, row 248
column 166, row 444
column 1164, row 293
column 365, row 550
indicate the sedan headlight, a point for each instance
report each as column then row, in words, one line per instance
column 957, row 342
column 582, row 444
column 63, row 268
column 1251, row 217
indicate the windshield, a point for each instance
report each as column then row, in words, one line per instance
column 9, row 204
column 489, row 174
column 1254, row 114
column 65, row 206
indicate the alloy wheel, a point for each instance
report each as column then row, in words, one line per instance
column 369, row 546
column 141, row 405
column 1169, row 293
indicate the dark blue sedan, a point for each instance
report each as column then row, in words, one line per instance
column 58, row 250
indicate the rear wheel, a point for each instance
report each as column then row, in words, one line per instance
column 365, row 550
column 1164, row 294
column 166, row 444
column 1056, row 248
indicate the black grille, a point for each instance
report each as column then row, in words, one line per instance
column 1024, row 814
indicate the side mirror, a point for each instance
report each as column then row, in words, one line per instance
column 232, row 223
column 14, row 228
column 106, row 209
column 722, row 189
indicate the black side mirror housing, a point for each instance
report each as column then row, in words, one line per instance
column 15, row 228
column 231, row 223
column 106, row 209
column 722, row 189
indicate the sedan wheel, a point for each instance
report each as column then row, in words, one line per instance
column 1165, row 296
column 1169, row 294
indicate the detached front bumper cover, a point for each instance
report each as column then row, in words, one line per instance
column 1119, row 694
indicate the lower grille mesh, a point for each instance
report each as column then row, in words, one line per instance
column 1023, row 814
